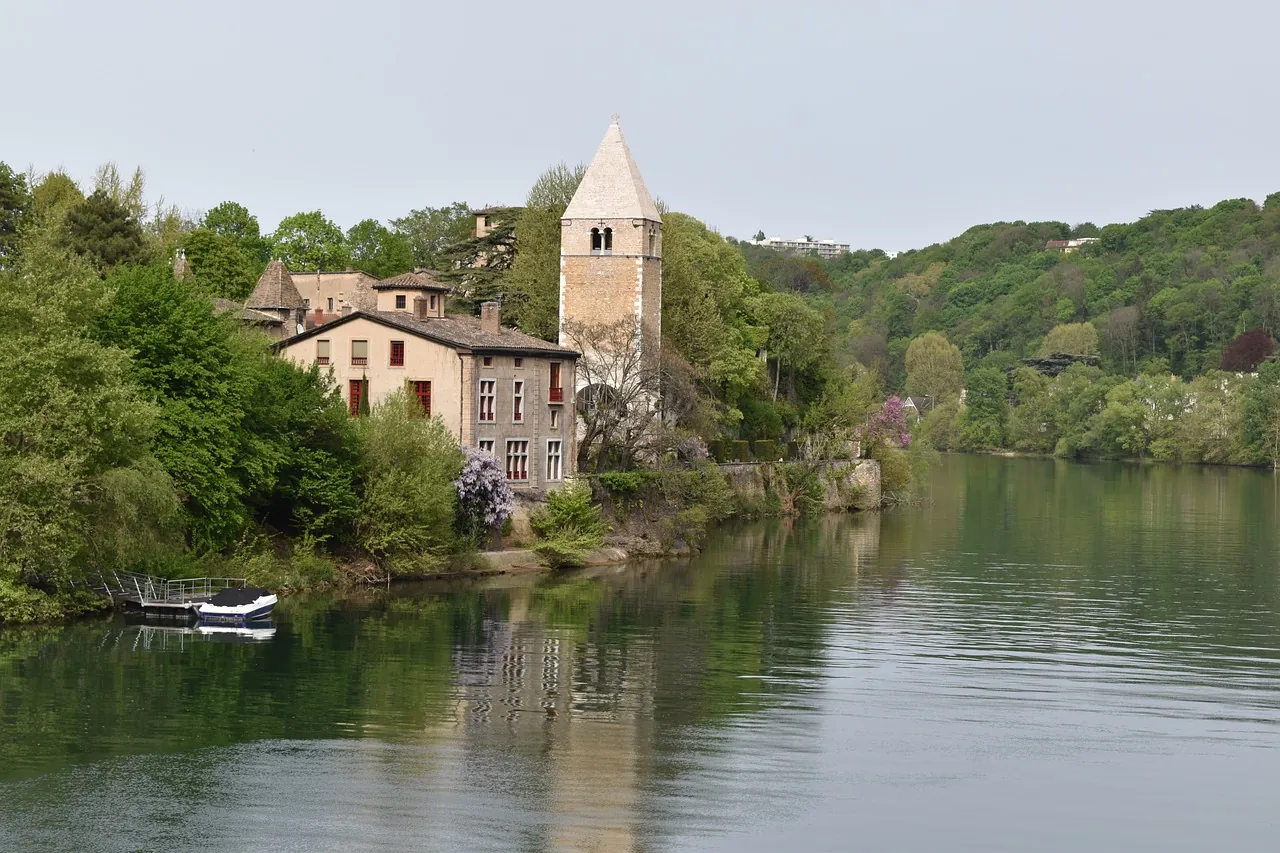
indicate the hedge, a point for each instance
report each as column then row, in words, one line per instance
column 766, row 450
column 742, row 451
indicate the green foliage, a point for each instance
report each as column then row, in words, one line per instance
column 15, row 200
column 79, row 487
column 104, row 231
column 408, row 466
column 234, row 222
column 935, row 368
column 627, row 483
column 985, row 409
column 766, row 450
column 532, row 286
column 222, row 268
column 1262, row 413
column 378, row 251
column 1071, row 339
column 54, row 195
column 569, row 526
column 715, row 449
column 309, row 241
column 741, row 451
column 432, row 231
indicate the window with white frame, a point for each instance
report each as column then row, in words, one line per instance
column 485, row 444
column 518, row 459
column 517, row 401
column 553, row 420
column 488, row 394
column 554, row 459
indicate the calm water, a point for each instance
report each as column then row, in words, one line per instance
column 1046, row 656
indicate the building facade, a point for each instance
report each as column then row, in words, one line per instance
column 496, row 389
column 826, row 249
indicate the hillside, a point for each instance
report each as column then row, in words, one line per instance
column 1176, row 285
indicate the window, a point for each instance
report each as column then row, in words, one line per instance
column 517, row 401
column 306, row 303
column 485, row 444
column 433, row 302
column 487, row 221
column 330, row 304
column 554, row 421
column 359, row 353
column 653, row 243
column 487, row 361
column 596, row 243
column 355, row 391
column 422, row 391
column 553, row 459
column 518, row 460
column 487, row 395
column 400, row 302
column 555, row 393
column 397, row 353
column 322, row 352
column 519, row 362
column 608, row 240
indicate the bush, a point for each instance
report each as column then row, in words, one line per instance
column 569, row 527
column 409, row 466
column 742, row 451
column 895, row 473
column 716, row 449
column 766, row 450
column 485, row 499
column 626, row 484
column 793, row 451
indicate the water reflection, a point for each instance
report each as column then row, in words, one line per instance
column 1041, row 636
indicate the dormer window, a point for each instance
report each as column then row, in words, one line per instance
column 597, row 241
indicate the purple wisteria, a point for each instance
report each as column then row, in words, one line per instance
column 889, row 425
column 485, row 499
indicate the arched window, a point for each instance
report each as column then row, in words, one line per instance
column 608, row 240
column 595, row 241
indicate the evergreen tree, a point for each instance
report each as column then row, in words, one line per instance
column 15, row 200
column 102, row 230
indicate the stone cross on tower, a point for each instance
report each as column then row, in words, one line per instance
column 611, row 245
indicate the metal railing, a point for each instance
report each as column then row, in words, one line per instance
column 141, row 588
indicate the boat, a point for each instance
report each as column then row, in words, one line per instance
column 238, row 606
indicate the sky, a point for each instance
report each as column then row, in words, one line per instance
column 881, row 124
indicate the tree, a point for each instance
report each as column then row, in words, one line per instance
column 408, row 467
column 555, row 187
column 236, row 223
column 935, row 368
column 432, row 231
column 759, row 236
column 1071, row 339
column 378, row 251
column 532, row 285
column 478, row 267
column 1246, row 352
column 55, row 194
column 106, row 233
column 620, row 374
column 130, row 195
column 221, row 267
column 795, row 333
column 309, row 241
column 79, row 488
column 1262, row 413
column 15, row 199
column 986, row 409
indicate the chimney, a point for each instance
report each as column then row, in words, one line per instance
column 344, row 310
column 490, row 317
column 420, row 309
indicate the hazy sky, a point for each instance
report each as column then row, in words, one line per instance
column 889, row 124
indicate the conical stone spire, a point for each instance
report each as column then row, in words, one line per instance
column 612, row 187
column 275, row 290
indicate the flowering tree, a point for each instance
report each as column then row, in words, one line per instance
column 887, row 426
column 485, row 499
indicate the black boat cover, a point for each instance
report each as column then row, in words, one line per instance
column 236, row 597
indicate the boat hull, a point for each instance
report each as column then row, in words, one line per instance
column 238, row 615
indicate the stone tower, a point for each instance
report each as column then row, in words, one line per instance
column 611, row 244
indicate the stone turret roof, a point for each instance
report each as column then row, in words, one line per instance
column 275, row 289
column 612, row 187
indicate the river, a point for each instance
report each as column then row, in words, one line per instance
column 1044, row 655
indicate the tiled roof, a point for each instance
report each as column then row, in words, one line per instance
column 612, row 187
column 458, row 332
column 275, row 289
column 249, row 315
column 416, row 280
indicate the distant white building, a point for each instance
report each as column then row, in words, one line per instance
column 826, row 249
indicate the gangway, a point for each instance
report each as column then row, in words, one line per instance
column 162, row 597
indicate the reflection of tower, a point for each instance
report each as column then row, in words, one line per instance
column 611, row 245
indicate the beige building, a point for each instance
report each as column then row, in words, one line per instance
column 495, row 388
column 326, row 294
column 611, row 244
column 826, row 249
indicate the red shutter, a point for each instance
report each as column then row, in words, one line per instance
column 397, row 353
column 422, row 390
column 353, row 397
